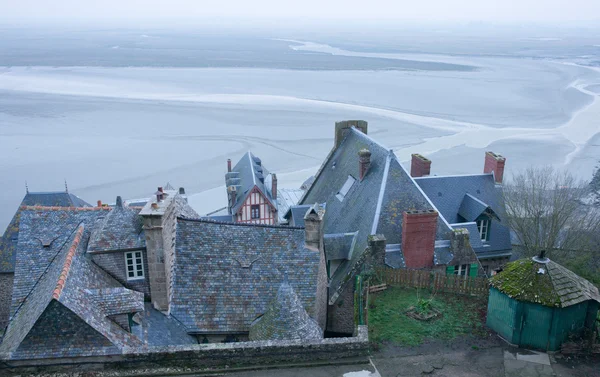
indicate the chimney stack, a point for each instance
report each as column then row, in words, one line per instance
column 232, row 191
column 159, row 194
column 342, row 128
column 99, row 203
column 418, row 237
column 119, row 202
column 181, row 191
column 228, row 165
column 494, row 163
column 420, row 166
column 364, row 162
column 376, row 244
column 313, row 227
column 274, row 187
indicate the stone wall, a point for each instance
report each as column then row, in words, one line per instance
column 6, row 286
column 203, row 357
column 114, row 264
column 169, row 225
column 341, row 314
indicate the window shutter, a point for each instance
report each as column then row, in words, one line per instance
column 473, row 269
column 449, row 270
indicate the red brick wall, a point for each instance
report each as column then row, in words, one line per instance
column 494, row 163
column 418, row 238
column 419, row 166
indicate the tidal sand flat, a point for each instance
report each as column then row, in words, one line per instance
column 112, row 130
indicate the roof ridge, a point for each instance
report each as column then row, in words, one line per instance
column 386, row 171
column 57, row 208
column 211, row 221
column 62, row 278
column 452, row 176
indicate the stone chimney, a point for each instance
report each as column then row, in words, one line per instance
column 420, row 166
column 377, row 249
column 494, row 163
column 228, row 165
column 341, row 129
column 364, row 162
column 274, row 187
column 159, row 224
column 418, row 238
column 462, row 251
column 232, row 194
column 119, row 202
column 313, row 228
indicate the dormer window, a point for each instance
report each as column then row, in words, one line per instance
column 134, row 265
column 345, row 188
column 483, row 226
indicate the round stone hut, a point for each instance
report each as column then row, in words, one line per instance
column 537, row 303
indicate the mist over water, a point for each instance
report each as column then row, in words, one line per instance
column 119, row 112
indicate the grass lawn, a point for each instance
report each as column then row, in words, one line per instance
column 461, row 315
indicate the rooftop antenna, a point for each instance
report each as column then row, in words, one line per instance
column 26, row 188
column 66, row 187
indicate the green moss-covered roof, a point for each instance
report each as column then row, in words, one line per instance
column 523, row 280
column 520, row 280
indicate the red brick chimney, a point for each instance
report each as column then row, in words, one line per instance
column 99, row 203
column 418, row 237
column 419, row 166
column 228, row 165
column 494, row 163
column 364, row 162
column 274, row 187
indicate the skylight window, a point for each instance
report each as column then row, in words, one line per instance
column 345, row 188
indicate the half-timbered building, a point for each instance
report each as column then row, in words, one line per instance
column 251, row 192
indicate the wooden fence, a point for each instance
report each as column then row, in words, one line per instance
column 477, row 286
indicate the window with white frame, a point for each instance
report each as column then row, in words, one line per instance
column 483, row 226
column 134, row 265
column 461, row 269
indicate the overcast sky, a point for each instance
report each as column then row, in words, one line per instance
column 388, row 10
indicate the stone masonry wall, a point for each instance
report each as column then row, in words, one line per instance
column 341, row 314
column 6, row 286
column 169, row 225
column 203, row 357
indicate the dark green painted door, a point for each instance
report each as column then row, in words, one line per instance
column 536, row 323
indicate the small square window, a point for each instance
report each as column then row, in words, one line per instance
column 135, row 265
column 255, row 211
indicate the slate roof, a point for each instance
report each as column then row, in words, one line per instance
column 120, row 229
column 226, row 274
column 470, row 193
column 287, row 198
column 8, row 242
column 245, row 175
column 471, row 208
column 372, row 206
column 66, row 312
column 295, row 214
column 39, row 226
column 285, row 319
column 339, row 246
column 53, row 199
column 556, row 286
